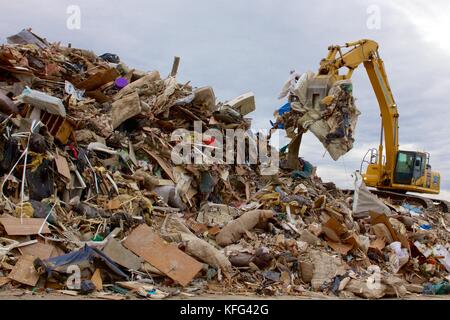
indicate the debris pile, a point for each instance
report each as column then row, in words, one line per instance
column 93, row 202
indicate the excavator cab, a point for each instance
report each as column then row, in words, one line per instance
column 412, row 172
column 409, row 166
column 413, row 169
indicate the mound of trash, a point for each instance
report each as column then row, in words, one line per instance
column 93, row 202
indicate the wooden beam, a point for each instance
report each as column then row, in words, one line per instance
column 175, row 65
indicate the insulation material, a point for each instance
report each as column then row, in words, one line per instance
column 235, row 229
column 197, row 247
column 326, row 267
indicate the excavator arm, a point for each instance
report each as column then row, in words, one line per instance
column 366, row 52
column 399, row 171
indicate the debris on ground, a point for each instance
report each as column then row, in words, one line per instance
column 93, row 203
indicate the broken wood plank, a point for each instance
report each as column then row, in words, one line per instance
column 24, row 271
column 28, row 226
column 166, row 257
column 98, row 79
column 162, row 163
column 62, row 166
column 175, row 65
column 125, row 108
column 4, row 280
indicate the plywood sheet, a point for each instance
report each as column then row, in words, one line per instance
column 116, row 252
column 28, row 226
column 24, row 271
column 39, row 250
column 166, row 257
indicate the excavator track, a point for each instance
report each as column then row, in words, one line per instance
column 427, row 203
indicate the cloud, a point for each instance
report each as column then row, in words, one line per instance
column 252, row 45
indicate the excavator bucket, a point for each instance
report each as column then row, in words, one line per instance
column 329, row 112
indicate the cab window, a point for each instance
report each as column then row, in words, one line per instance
column 404, row 167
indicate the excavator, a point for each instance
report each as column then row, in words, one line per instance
column 389, row 169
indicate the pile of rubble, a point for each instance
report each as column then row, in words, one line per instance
column 93, row 203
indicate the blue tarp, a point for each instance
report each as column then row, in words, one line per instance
column 83, row 257
column 283, row 109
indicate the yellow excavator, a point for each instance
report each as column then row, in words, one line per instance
column 397, row 171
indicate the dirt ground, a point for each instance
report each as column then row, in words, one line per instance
column 28, row 295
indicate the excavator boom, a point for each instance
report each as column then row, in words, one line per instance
column 397, row 170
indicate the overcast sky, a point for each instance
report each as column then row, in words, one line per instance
column 238, row 46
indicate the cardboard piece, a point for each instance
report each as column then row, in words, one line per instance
column 113, row 204
column 378, row 244
column 342, row 248
column 382, row 218
column 166, row 257
column 24, row 271
column 29, row 226
column 114, row 250
column 97, row 279
column 382, row 232
column 98, row 95
column 293, row 149
column 333, row 229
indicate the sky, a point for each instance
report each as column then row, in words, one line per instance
column 251, row 45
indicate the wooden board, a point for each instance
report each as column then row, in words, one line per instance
column 39, row 250
column 124, row 109
column 117, row 253
column 97, row 279
column 98, row 79
column 166, row 257
column 29, row 226
column 24, row 271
